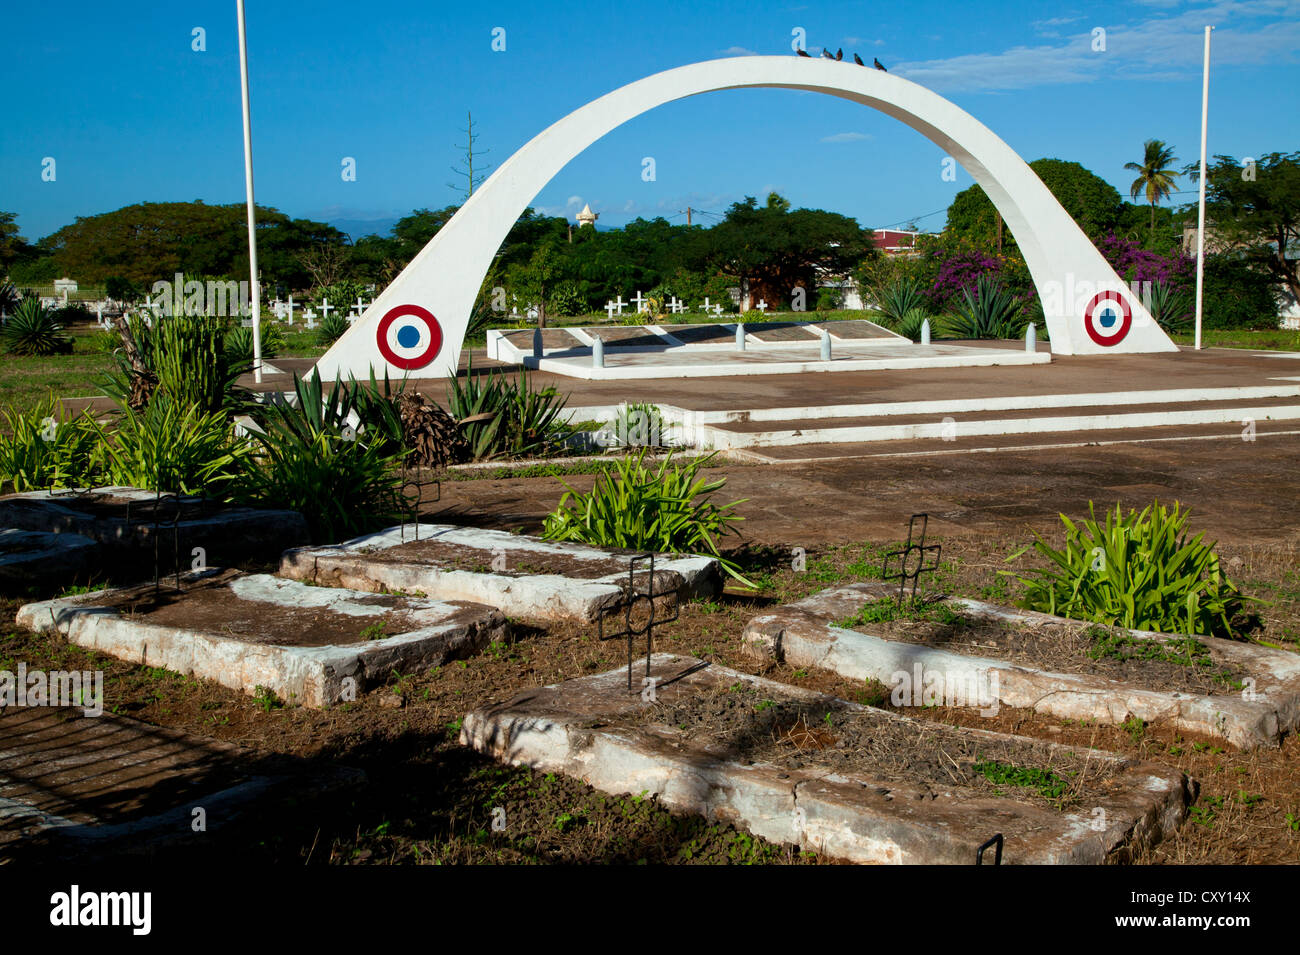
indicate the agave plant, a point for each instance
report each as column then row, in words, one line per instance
column 333, row 456
column 1142, row 571
column 991, row 311
column 1171, row 307
column 500, row 417
column 331, row 329
column 239, row 344
column 896, row 299
column 909, row 326
column 34, row 330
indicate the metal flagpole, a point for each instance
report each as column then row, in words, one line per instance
column 248, row 189
column 1200, row 200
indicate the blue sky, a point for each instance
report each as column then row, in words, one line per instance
column 130, row 112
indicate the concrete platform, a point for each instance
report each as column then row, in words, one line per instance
column 771, row 348
column 573, row 728
column 80, row 787
column 522, row 576
column 313, row 646
column 32, row 561
column 803, row 634
column 120, row 520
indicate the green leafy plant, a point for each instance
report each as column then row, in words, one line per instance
column 1171, row 307
column 909, row 326
column 1045, row 782
column 990, row 311
column 34, row 330
column 896, row 298
column 171, row 446
column 331, row 328
column 1140, row 571
column 331, row 456
column 41, row 448
column 665, row 509
column 503, row 417
column 239, row 344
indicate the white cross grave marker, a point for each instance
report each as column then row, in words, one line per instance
column 619, row 305
column 640, row 303
column 289, row 310
column 310, row 315
column 361, row 306
column 761, row 306
column 675, row 306
column 326, row 308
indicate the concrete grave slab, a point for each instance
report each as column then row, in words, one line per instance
column 523, row 576
column 36, row 560
column 310, row 645
column 593, row 729
column 120, row 520
column 86, row 784
column 804, row 634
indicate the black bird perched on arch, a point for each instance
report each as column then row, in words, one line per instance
column 879, row 65
column 839, row 54
column 827, row 53
column 858, row 60
column 801, row 52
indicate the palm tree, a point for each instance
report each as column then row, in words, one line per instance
column 1155, row 175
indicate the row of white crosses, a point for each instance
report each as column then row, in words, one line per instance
column 675, row 306
column 284, row 310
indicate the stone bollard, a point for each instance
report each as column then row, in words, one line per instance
column 597, row 353
column 925, row 332
column 537, row 343
column 826, row 345
column 1031, row 338
column 740, row 336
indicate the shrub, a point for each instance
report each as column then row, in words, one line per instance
column 567, row 299
column 172, row 446
column 1236, row 295
column 500, row 417
column 1171, row 306
column 187, row 356
column 990, row 311
column 909, row 326
column 637, row 425
column 239, row 344
column 665, row 509
column 319, row 457
column 34, row 330
column 897, row 298
column 40, row 449
column 331, row 329
column 8, row 297
column 1138, row 571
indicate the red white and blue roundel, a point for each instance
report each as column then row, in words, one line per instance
column 1107, row 318
column 409, row 337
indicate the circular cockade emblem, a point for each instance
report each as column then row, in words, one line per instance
column 409, row 337
column 1107, row 318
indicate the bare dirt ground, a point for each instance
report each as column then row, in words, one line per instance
column 429, row 800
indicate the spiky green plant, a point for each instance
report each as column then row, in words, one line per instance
column 34, row 330
column 172, row 446
column 331, row 328
column 504, row 417
column 1171, row 307
column 331, row 456
column 1141, row 571
column 665, row 509
column 990, row 311
column 909, row 326
column 43, row 447
column 896, row 299
column 239, row 344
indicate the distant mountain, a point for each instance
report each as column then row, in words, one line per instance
column 359, row 227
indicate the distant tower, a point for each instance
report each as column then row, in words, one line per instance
column 587, row 217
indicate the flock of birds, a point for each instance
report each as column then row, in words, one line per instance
column 839, row 55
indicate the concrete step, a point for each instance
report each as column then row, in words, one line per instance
column 950, row 426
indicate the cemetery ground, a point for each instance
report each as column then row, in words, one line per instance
column 429, row 799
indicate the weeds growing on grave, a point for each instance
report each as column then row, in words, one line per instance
column 1140, row 571
column 887, row 610
column 665, row 509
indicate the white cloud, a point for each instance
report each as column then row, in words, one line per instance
column 845, row 138
column 737, row 51
column 1160, row 47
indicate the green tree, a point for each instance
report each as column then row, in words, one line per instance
column 1256, row 210
column 1155, row 175
column 13, row 247
column 774, row 249
column 1090, row 200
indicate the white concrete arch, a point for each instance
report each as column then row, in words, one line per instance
column 444, row 278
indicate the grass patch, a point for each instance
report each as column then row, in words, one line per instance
column 1045, row 782
column 887, row 610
